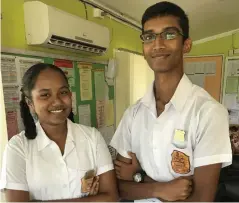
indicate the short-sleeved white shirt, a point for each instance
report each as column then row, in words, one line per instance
column 192, row 110
column 38, row 166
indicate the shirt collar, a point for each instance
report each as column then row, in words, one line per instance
column 43, row 140
column 178, row 100
column 182, row 93
column 149, row 99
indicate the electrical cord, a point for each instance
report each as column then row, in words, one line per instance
column 86, row 12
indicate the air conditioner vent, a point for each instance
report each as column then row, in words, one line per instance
column 73, row 44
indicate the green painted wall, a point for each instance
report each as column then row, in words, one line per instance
column 218, row 46
column 13, row 33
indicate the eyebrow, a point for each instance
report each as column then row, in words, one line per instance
column 65, row 86
column 166, row 28
column 45, row 90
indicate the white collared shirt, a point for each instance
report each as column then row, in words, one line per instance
column 38, row 166
column 161, row 152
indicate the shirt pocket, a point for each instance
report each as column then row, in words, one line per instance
column 77, row 171
column 76, row 177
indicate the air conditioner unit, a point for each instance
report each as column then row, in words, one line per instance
column 50, row 27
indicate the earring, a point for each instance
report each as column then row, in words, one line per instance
column 34, row 116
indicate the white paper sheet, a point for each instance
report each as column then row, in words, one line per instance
column 234, row 67
column 109, row 112
column 11, row 97
column 12, row 123
column 100, row 113
column 210, row 67
column 85, row 84
column 74, row 108
column 9, row 70
column 106, row 92
column 67, row 67
column 24, row 63
column 189, row 68
column 84, row 114
column 229, row 70
column 99, row 85
column 197, row 79
column 199, row 67
column 233, row 116
column 230, row 101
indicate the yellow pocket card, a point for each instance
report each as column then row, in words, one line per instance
column 179, row 135
column 179, row 139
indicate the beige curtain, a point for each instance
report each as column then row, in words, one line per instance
column 3, row 130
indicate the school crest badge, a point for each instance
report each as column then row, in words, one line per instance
column 180, row 162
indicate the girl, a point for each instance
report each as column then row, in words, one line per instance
column 55, row 159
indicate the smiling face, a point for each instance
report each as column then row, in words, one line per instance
column 165, row 55
column 51, row 98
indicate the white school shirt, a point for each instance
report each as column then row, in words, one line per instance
column 164, row 156
column 38, row 166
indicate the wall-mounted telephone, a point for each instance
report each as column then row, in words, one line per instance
column 110, row 71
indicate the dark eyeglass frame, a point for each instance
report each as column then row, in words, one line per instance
column 155, row 35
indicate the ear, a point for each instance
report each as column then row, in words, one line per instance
column 187, row 46
column 30, row 105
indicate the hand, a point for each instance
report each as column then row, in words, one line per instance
column 177, row 189
column 126, row 171
column 95, row 187
column 86, row 184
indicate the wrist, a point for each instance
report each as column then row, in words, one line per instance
column 159, row 190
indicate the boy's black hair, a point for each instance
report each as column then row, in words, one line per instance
column 167, row 9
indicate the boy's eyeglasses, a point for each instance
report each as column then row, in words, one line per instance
column 168, row 34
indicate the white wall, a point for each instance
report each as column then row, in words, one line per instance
column 122, row 84
column 131, row 82
column 3, row 129
column 141, row 77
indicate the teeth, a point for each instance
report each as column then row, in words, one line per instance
column 57, row 111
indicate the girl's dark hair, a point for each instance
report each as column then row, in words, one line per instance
column 28, row 83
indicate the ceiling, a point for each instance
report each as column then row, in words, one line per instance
column 207, row 17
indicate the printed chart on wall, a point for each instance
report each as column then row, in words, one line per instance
column 85, row 81
column 24, row 63
column 95, row 99
column 13, row 69
column 205, row 72
column 68, row 68
column 231, row 89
